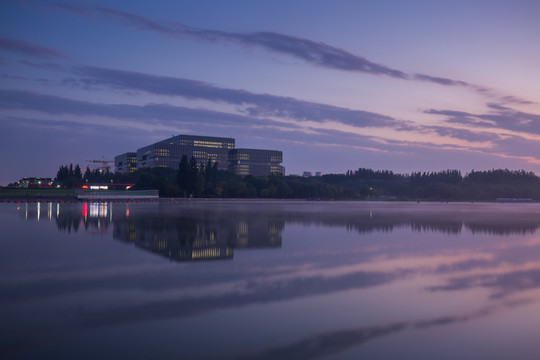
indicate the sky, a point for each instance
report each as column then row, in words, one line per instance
column 422, row 85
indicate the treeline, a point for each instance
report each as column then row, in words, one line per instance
column 70, row 175
column 194, row 180
column 443, row 185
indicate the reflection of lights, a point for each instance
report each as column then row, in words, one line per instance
column 49, row 211
column 84, row 210
column 38, row 210
column 57, row 209
column 98, row 210
column 127, row 211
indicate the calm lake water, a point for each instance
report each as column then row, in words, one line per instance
column 270, row 280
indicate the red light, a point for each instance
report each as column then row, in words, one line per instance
column 85, row 186
column 84, row 210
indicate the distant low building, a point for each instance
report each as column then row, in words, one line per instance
column 307, row 174
column 35, row 182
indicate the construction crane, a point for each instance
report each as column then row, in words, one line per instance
column 104, row 164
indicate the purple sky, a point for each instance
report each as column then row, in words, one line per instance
column 336, row 85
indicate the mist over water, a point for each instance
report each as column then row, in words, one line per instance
column 270, row 280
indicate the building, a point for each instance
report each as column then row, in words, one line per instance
column 256, row 162
column 35, row 182
column 126, row 163
column 169, row 152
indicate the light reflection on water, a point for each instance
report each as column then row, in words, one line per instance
column 275, row 279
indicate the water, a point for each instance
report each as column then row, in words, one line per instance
column 270, row 280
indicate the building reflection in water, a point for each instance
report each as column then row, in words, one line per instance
column 39, row 210
column 93, row 217
column 191, row 233
column 197, row 235
column 184, row 236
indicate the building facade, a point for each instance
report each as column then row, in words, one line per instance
column 169, row 152
column 256, row 162
column 125, row 163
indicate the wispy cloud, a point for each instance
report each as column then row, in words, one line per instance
column 312, row 52
column 440, row 80
column 29, row 49
column 258, row 104
column 42, row 66
column 500, row 117
column 250, row 104
column 316, row 53
column 56, row 105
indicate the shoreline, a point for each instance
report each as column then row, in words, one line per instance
column 74, row 199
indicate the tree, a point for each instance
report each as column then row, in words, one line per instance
column 183, row 173
column 77, row 174
column 193, row 174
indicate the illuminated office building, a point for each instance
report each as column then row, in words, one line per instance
column 168, row 153
column 256, row 162
column 125, row 163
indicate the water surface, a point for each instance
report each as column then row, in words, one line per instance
column 270, row 280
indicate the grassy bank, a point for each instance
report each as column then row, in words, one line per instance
column 6, row 193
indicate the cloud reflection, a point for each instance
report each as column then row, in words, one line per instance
column 334, row 342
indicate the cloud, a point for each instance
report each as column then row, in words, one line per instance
column 501, row 117
column 440, row 81
column 29, row 49
column 468, row 135
column 42, row 66
column 262, row 104
column 316, row 53
column 56, row 105
column 515, row 100
column 149, row 115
